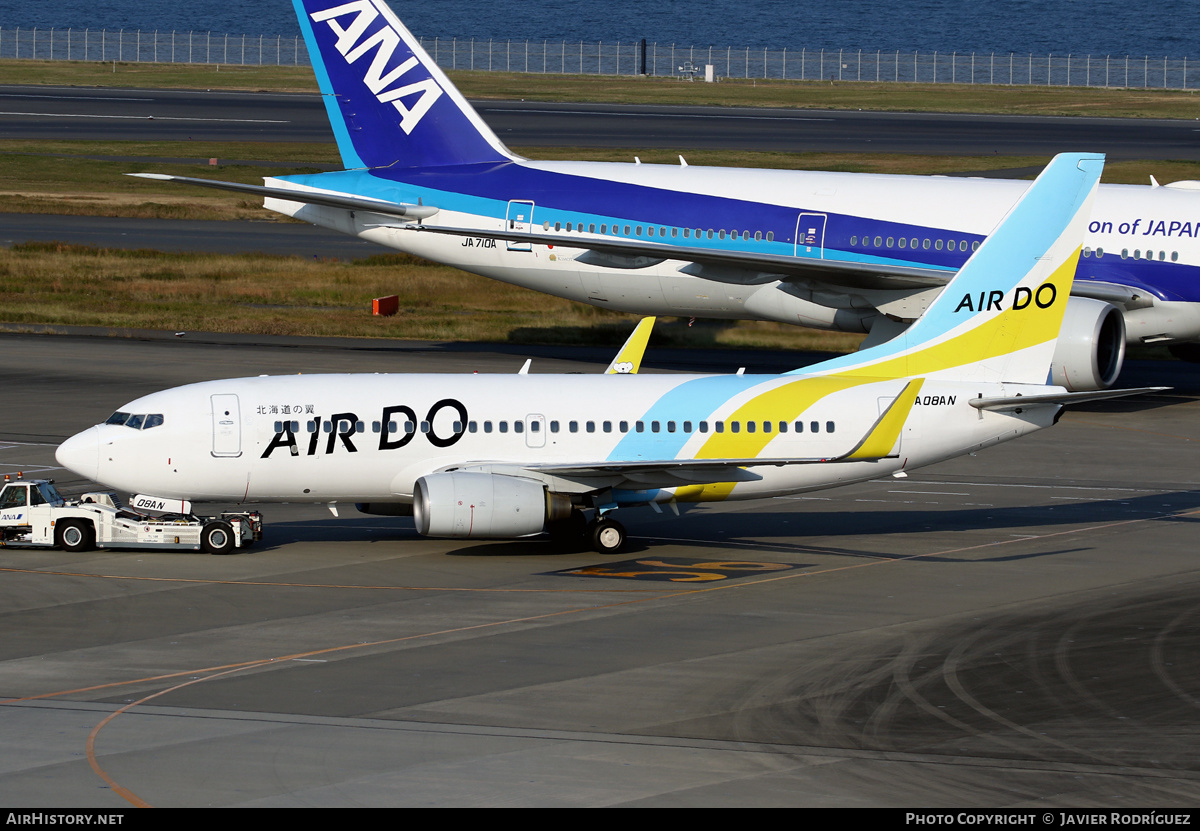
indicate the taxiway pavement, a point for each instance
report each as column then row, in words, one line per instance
column 1014, row 629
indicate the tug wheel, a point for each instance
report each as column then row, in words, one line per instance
column 75, row 535
column 217, row 537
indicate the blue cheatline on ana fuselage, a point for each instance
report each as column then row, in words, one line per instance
column 842, row 251
column 504, row 456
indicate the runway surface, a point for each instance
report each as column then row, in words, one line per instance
column 220, row 237
column 1017, row 628
column 39, row 112
column 36, row 112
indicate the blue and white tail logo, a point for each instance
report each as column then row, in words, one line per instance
column 388, row 102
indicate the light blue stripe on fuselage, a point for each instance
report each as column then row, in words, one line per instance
column 694, row 400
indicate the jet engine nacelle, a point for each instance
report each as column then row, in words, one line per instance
column 484, row 505
column 1091, row 346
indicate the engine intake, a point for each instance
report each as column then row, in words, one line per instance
column 1091, row 346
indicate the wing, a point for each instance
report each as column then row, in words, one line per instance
column 900, row 291
column 616, row 252
column 311, row 197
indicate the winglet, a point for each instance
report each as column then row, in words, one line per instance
column 878, row 443
column 629, row 359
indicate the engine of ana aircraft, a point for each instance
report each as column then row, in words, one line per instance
column 1091, row 346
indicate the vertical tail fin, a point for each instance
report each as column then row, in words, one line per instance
column 629, row 359
column 388, row 102
column 999, row 318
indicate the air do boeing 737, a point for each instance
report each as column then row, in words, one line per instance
column 851, row 252
column 505, row 456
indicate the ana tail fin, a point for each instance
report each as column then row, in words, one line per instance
column 999, row 318
column 388, row 102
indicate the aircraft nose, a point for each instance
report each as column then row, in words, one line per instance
column 81, row 453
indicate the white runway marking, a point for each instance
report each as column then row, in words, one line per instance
column 153, row 118
column 1049, row 487
column 664, row 115
column 69, row 97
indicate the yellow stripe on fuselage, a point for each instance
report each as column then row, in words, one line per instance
column 791, row 399
column 1008, row 332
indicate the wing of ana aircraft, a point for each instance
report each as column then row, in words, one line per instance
column 709, row 263
column 616, row 252
column 309, row 197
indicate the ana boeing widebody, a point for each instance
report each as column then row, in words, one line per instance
column 505, row 456
column 851, row 252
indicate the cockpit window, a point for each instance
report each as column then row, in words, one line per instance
column 139, row 421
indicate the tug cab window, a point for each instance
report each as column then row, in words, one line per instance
column 15, row 496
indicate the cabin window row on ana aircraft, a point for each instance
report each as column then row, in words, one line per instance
column 971, row 372
column 852, row 252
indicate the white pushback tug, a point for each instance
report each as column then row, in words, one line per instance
column 34, row 514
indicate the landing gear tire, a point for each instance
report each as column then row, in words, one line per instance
column 217, row 537
column 75, row 535
column 607, row 535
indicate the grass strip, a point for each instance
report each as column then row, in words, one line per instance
column 57, row 284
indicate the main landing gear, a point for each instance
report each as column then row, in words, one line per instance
column 603, row 534
column 606, row 535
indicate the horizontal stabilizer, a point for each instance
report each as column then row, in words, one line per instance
column 329, row 200
column 1016, row 402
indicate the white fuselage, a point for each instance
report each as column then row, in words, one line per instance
column 1147, row 238
column 345, row 437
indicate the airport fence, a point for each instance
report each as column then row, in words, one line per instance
column 630, row 58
